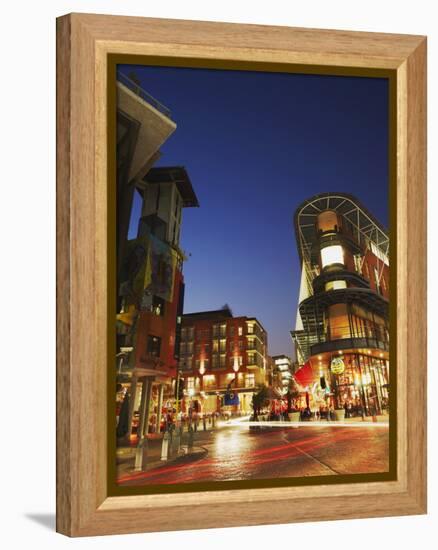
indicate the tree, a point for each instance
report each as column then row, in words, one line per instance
column 259, row 400
column 292, row 393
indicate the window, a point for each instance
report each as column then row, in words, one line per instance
column 332, row 255
column 223, row 345
column 232, row 331
column 190, row 333
column 379, row 253
column 335, row 285
column 202, row 334
column 251, row 359
column 240, row 331
column 154, row 346
column 250, row 328
column 215, row 361
column 215, row 346
column 236, row 360
column 157, row 307
column 249, row 380
column 222, row 361
column 215, row 331
column 240, row 344
column 209, row 381
column 190, row 383
column 186, row 362
column 223, row 330
column 358, row 263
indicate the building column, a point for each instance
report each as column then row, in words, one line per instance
column 159, row 407
column 132, row 398
column 146, row 391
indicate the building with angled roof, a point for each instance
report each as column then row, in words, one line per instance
column 150, row 282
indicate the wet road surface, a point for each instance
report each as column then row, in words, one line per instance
column 238, row 453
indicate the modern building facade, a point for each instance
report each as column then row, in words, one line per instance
column 342, row 326
column 223, row 361
column 282, row 370
column 149, row 280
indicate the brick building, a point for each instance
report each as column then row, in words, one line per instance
column 222, row 361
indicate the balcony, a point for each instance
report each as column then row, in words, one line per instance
column 136, row 89
column 345, row 337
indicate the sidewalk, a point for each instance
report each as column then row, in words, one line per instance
column 125, row 456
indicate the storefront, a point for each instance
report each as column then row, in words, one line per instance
column 357, row 381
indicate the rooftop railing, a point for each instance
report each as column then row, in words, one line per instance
column 138, row 90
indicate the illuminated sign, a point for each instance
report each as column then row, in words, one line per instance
column 337, row 365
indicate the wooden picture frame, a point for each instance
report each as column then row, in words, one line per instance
column 84, row 44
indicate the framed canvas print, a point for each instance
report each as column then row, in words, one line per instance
column 241, row 274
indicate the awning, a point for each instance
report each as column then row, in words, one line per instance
column 304, row 376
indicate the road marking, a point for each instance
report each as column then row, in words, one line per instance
column 314, row 458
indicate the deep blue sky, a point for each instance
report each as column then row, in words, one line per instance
column 255, row 145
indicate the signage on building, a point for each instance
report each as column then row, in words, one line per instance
column 337, row 365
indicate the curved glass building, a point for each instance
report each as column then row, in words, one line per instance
column 342, row 325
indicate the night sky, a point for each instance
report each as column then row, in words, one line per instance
column 255, row 145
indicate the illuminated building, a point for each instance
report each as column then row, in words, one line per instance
column 281, row 366
column 222, row 361
column 342, row 327
column 150, row 281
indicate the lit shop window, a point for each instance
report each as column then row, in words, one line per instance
column 332, row 255
column 249, row 380
column 335, row 285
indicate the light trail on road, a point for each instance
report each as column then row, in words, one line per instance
column 235, row 454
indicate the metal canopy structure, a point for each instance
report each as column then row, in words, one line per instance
column 367, row 230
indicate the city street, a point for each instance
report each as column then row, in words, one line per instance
column 235, row 452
